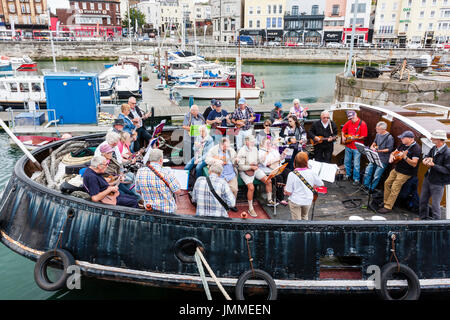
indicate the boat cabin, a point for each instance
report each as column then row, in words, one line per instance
column 247, row 81
column 17, row 90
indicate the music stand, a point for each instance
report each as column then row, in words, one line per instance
column 373, row 158
column 272, row 175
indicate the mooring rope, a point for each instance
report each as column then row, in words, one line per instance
column 200, row 254
column 202, row 275
column 393, row 254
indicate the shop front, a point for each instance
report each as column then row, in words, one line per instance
column 361, row 36
column 332, row 36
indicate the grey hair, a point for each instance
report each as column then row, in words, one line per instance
column 155, row 155
column 382, row 125
column 296, row 101
column 112, row 138
column 250, row 138
column 324, row 112
column 97, row 160
column 216, row 167
column 194, row 106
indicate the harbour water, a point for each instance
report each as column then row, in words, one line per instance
column 309, row 83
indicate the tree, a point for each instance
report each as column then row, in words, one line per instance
column 135, row 15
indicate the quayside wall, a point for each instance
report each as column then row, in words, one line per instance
column 41, row 50
column 384, row 91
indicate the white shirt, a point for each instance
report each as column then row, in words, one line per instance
column 301, row 194
column 135, row 115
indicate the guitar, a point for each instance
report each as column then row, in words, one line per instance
column 240, row 123
column 349, row 139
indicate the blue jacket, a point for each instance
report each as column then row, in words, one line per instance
column 129, row 126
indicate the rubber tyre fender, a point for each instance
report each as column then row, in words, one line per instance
column 413, row 281
column 256, row 273
column 40, row 269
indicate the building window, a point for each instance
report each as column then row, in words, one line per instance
column 424, row 3
column 250, row 23
column 361, row 8
column 280, row 9
column 99, row 5
column 393, row 16
column 406, row 27
column 381, row 17
column 274, row 22
column 394, row 6
column 422, row 14
column 268, row 23
column 408, row 14
column 258, row 10
column 434, row 2
column 38, row 9
column 430, row 26
column 335, row 10
column 274, row 8
column 419, row 26
column 294, row 10
column 383, row 6
column 84, row 4
column 268, row 9
column 432, row 14
column 280, row 22
column 315, row 10
column 92, row 5
column 258, row 24
column 250, row 10
column 409, row 3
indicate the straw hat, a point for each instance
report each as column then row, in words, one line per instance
column 439, row 134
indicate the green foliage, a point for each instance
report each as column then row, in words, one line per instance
column 134, row 14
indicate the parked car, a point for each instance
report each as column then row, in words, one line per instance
column 334, row 45
column 413, row 45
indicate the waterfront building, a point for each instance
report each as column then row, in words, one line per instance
column 333, row 24
column 363, row 22
column 303, row 21
column 264, row 20
column 91, row 19
column 152, row 11
column 24, row 15
column 417, row 22
column 227, row 17
column 201, row 14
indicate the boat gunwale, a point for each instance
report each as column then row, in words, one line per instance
column 19, row 172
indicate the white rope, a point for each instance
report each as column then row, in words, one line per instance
column 212, row 274
column 202, row 275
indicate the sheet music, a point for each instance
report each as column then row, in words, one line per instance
column 182, row 177
column 325, row 171
column 375, row 158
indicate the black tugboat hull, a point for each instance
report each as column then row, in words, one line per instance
column 123, row 244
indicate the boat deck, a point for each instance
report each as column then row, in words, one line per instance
column 328, row 206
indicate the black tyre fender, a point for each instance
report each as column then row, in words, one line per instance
column 40, row 269
column 413, row 281
column 256, row 273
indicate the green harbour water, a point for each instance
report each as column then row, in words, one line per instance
column 309, row 83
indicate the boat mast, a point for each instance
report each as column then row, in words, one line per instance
column 348, row 72
column 129, row 28
column 51, row 39
column 238, row 70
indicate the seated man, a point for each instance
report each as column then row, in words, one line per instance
column 100, row 190
column 224, row 154
column 112, row 139
column 248, row 170
column 408, row 154
column 157, row 185
column 207, row 204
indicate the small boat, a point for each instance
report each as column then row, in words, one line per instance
column 223, row 88
column 34, row 142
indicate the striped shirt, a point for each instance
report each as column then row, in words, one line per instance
column 207, row 204
column 154, row 191
column 245, row 114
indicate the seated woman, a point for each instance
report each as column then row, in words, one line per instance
column 124, row 146
column 248, row 170
column 300, row 195
column 129, row 126
column 202, row 144
column 111, row 139
column 270, row 159
column 265, row 133
column 114, row 173
column 100, row 190
column 294, row 136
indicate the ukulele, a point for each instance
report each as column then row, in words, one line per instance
column 321, row 139
column 398, row 156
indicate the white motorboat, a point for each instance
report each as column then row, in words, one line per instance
column 223, row 88
column 126, row 78
column 22, row 91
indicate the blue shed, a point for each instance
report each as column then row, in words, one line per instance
column 75, row 97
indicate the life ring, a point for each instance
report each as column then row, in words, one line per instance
column 40, row 269
column 388, row 270
column 255, row 273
